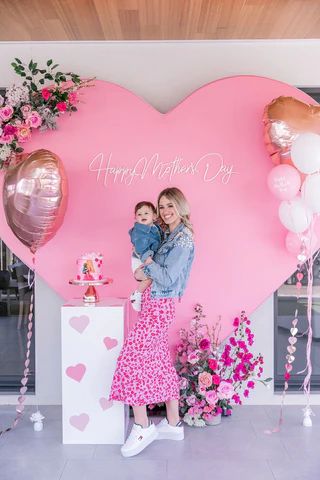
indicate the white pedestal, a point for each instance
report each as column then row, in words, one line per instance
column 92, row 337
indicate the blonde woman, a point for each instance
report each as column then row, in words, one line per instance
column 144, row 372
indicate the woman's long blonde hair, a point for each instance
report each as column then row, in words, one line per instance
column 180, row 203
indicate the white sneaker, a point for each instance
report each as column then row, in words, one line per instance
column 135, row 299
column 168, row 432
column 139, row 439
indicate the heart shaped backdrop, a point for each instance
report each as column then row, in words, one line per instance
column 117, row 150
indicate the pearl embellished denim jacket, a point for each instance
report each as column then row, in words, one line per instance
column 172, row 264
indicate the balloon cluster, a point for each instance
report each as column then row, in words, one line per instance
column 292, row 131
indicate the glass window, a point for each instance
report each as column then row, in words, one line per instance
column 15, row 296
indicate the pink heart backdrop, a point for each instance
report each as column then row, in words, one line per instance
column 118, row 150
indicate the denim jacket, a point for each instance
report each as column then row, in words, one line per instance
column 146, row 239
column 172, row 264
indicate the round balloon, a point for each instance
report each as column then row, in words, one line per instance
column 296, row 242
column 310, row 192
column 305, row 152
column 295, row 215
column 35, row 198
column 284, row 182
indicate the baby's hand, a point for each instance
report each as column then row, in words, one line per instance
column 148, row 261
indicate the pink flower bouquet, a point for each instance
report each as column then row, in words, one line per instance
column 213, row 376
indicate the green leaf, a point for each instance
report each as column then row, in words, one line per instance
column 268, row 379
column 35, row 71
column 14, row 65
column 35, row 65
column 18, row 60
column 34, row 87
column 63, row 78
column 42, row 71
column 48, row 76
column 49, row 62
column 41, row 81
column 19, row 150
column 55, row 66
column 28, row 78
column 30, row 66
column 22, row 74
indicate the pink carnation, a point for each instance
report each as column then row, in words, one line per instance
column 212, row 397
column 246, row 393
column 216, row 379
column 34, row 120
column 236, row 322
column 183, row 383
column 205, row 379
column 191, row 400
column 250, row 384
column 23, row 133
column 225, row 390
column 204, row 344
column 6, row 139
column 6, row 113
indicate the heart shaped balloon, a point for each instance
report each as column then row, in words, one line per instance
column 35, row 198
column 118, row 150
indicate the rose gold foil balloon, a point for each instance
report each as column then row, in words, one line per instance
column 35, row 198
column 284, row 119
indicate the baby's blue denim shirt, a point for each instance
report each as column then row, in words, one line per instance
column 172, row 264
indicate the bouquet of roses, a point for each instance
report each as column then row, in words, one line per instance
column 45, row 94
column 212, row 376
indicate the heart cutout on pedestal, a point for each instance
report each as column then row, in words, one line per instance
column 79, row 422
column 76, row 372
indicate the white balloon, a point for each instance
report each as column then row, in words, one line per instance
column 305, row 152
column 295, row 215
column 310, row 192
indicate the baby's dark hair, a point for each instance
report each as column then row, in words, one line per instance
column 145, row 204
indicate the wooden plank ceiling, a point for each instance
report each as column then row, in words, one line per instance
column 52, row 20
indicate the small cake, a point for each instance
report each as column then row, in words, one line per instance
column 89, row 267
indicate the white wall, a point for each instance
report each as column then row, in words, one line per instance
column 162, row 73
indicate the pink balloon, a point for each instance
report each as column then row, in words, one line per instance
column 295, row 242
column 284, row 182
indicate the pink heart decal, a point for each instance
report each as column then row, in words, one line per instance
column 79, row 422
column 293, row 331
column 292, row 340
column 110, row 342
column 77, row 372
column 291, row 349
column 79, row 323
column 288, row 367
column 210, row 146
column 105, row 403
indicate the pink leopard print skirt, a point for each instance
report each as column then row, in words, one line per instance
column 144, row 373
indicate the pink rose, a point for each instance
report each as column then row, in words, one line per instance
column 213, row 364
column 193, row 358
column 6, row 113
column 191, row 400
column 46, row 94
column 9, row 129
column 6, row 139
column 225, row 390
column 205, row 379
column 183, row 383
column 23, row 133
column 25, row 110
column 73, row 98
column 204, row 344
column 211, row 397
column 251, row 384
column 34, row 120
column 61, row 106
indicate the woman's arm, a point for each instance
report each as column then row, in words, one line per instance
column 175, row 261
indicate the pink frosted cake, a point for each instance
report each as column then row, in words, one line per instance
column 89, row 267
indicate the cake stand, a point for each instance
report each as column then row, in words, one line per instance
column 91, row 294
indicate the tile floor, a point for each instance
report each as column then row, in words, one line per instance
column 236, row 449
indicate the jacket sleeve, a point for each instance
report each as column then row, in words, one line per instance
column 174, row 263
column 140, row 238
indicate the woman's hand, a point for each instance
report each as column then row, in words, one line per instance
column 139, row 274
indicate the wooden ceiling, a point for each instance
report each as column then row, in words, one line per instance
column 53, row 20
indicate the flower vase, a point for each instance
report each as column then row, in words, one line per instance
column 216, row 420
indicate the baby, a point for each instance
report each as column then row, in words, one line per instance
column 146, row 238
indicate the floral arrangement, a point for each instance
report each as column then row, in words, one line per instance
column 45, row 94
column 214, row 375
